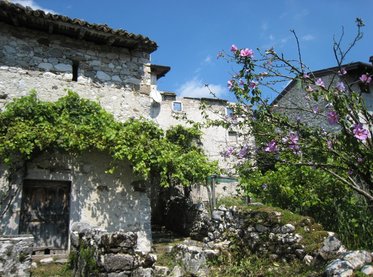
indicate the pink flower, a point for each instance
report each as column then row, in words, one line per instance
column 319, row 82
column 342, row 71
column 228, row 152
column 230, row 84
column 234, row 48
column 271, row 147
column 365, row 79
column 340, row 87
column 332, row 117
column 309, row 88
column 253, row 84
column 329, row 143
column 306, row 76
column 246, row 53
column 243, row 151
column 359, row 132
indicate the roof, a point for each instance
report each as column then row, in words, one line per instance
column 159, row 70
column 19, row 16
column 356, row 66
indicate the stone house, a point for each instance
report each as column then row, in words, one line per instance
column 296, row 103
column 52, row 53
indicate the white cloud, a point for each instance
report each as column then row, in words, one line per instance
column 196, row 88
column 32, row 4
column 207, row 59
column 308, row 37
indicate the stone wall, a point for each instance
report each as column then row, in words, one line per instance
column 117, row 78
column 15, row 255
column 106, row 200
column 103, row 253
column 299, row 104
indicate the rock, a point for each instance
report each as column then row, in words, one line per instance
column 161, row 271
column 367, row 270
column 261, row 228
column 63, row 67
column 34, row 265
column 331, row 248
column 45, row 261
column 288, row 228
column 81, row 227
column 357, row 258
column 308, row 259
column 118, row 262
column 217, row 215
column 177, row 271
column 102, row 76
column 61, row 261
column 143, row 272
column 338, row 267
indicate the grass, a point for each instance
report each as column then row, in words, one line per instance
column 51, row 270
column 257, row 266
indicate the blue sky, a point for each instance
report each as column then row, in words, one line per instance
column 191, row 33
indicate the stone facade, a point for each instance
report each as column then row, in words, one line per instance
column 15, row 255
column 110, row 201
column 101, row 253
column 296, row 103
column 52, row 54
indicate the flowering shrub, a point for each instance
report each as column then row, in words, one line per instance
column 344, row 151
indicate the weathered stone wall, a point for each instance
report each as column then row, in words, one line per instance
column 299, row 104
column 106, row 200
column 117, row 78
column 108, row 253
column 15, row 255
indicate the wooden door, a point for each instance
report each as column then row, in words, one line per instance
column 45, row 214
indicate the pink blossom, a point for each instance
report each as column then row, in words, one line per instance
column 271, row 147
column 306, row 76
column 234, row 48
column 246, row 53
column 228, row 152
column 230, row 84
column 329, row 143
column 359, row 132
column 243, row 151
column 253, row 84
column 332, row 117
column 365, row 79
column 342, row 71
column 340, row 87
column 309, row 88
column 294, row 138
column 319, row 82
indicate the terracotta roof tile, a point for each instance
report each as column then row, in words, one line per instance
column 26, row 17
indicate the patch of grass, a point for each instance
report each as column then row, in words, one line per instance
column 256, row 266
column 56, row 270
column 230, row 201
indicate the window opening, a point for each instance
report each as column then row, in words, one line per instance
column 177, row 106
column 229, row 112
column 75, row 71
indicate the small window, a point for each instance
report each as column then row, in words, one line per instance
column 75, row 70
column 177, row 106
column 229, row 111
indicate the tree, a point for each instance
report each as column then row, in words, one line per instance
column 345, row 152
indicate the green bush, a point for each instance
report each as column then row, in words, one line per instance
column 312, row 192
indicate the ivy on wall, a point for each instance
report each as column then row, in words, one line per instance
column 73, row 124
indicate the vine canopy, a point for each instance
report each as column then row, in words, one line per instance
column 73, row 124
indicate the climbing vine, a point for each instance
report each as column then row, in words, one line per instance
column 73, row 124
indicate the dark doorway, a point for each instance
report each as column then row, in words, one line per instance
column 45, row 214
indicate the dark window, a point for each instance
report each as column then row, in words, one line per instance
column 75, row 71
